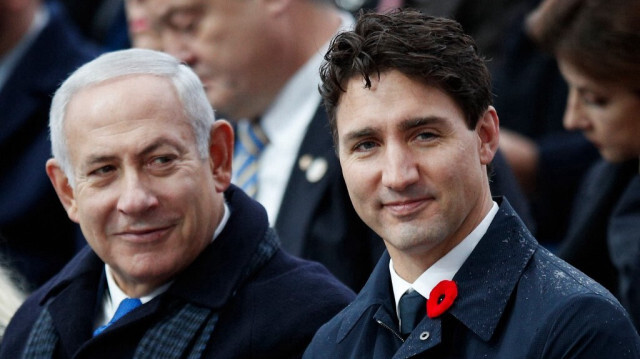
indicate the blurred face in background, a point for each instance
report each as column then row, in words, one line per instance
column 231, row 45
column 141, row 33
column 608, row 113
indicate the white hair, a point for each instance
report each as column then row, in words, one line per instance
column 128, row 62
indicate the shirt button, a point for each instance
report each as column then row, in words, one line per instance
column 424, row 335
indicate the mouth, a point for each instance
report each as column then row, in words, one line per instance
column 144, row 235
column 409, row 207
column 138, row 25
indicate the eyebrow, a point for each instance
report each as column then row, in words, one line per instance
column 96, row 159
column 420, row 121
column 403, row 126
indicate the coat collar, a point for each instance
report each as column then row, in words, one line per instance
column 73, row 294
column 485, row 282
column 218, row 270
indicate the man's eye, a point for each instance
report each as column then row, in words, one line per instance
column 102, row 170
column 364, row 146
column 184, row 24
column 592, row 99
column 426, row 136
column 161, row 160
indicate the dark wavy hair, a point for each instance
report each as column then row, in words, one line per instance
column 599, row 37
column 433, row 50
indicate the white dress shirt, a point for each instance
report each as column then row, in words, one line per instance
column 446, row 267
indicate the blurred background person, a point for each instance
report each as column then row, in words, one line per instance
column 549, row 161
column 597, row 45
column 38, row 49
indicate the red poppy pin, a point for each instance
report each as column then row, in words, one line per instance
column 441, row 298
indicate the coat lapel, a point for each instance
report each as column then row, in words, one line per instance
column 316, row 166
column 72, row 301
column 485, row 282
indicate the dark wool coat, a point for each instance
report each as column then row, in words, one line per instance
column 515, row 300
column 243, row 297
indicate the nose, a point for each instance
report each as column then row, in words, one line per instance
column 399, row 168
column 136, row 197
column 574, row 117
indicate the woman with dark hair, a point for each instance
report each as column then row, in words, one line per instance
column 597, row 46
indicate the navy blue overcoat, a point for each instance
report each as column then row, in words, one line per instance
column 515, row 300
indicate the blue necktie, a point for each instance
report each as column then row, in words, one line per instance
column 412, row 307
column 127, row 305
column 250, row 143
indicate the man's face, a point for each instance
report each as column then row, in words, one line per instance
column 415, row 172
column 229, row 44
column 606, row 112
column 145, row 200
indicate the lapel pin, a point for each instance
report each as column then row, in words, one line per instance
column 317, row 169
column 304, row 162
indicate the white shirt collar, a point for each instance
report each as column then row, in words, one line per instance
column 11, row 59
column 113, row 295
column 446, row 267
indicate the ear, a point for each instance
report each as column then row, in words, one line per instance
column 488, row 130
column 61, row 184
column 221, row 153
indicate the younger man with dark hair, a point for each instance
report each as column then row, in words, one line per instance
column 410, row 106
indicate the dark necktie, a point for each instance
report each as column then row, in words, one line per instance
column 250, row 141
column 127, row 305
column 412, row 308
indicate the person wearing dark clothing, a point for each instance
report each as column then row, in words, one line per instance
column 36, row 238
column 409, row 100
column 596, row 45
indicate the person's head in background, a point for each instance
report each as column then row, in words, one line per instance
column 141, row 33
column 597, row 45
column 244, row 51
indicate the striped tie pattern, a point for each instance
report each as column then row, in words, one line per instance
column 250, row 141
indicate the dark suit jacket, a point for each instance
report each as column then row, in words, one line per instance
column 35, row 233
column 317, row 220
column 585, row 245
column 271, row 311
column 515, row 300
column 623, row 238
column 604, row 235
